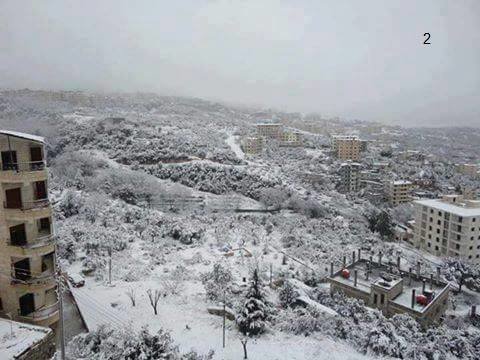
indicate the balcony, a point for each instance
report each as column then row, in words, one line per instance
column 44, row 316
column 20, row 172
column 27, row 209
column 44, row 243
column 25, row 278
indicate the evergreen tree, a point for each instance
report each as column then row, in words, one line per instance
column 287, row 295
column 251, row 320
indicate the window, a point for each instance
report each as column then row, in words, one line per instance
column 431, row 219
column 382, row 299
column 429, row 245
column 457, row 247
column 439, row 222
column 436, row 248
column 473, row 220
column 459, row 228
column 438, row 231
column 458, row 237
column 469, row 256
column 438, row 239
column 430, row 228
column 439, row 213
column 431, row 211
column 470, row 248
column 375, row 299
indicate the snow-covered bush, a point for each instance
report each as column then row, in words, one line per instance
column 287, row 294
column 217, row 282
column 110, row 343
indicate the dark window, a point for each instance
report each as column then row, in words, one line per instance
column 18, row 235
column 375, row 299
column 382, row 299
column 9, row 160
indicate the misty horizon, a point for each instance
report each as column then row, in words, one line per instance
column 356, row 61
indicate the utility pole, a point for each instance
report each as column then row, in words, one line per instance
column 60, row 305
column 110, row 265
column 271, row 275
column 224, row 316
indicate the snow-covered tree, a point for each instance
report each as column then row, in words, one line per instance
column 251, row 319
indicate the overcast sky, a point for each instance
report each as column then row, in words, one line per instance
column 355, row 59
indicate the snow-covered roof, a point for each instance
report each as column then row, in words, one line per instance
column 449, row 207
column 23, row 135
column 24, row 336
column 402, row 182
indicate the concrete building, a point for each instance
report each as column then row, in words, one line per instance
column 398, row 192
column 471, row 170
column 349, row 177
column 27, row 343
column 448, row 227
column 27, row 248
column 346, row 147
column 252, row 145
column 291, row 139
column 391, row 289
column 271, row 131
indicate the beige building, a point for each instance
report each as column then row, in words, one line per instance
column 291, row 139
column 346, row 147
column 252, row 145
column 272, row 131
column 405, row 292
column 399, row 192
column 27, row 248
column 472, row 170
column 448, row 227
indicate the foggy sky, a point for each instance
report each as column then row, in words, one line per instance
column 355, row 59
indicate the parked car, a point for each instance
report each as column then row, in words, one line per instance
column 76, row 280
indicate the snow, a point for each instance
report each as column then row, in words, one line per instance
column 204, row 331
column 232, row 142
column 24, row 336
column 451, row 208
column 23, row 135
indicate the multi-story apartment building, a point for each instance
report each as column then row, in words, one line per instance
column 449, row 226
column 27, row 249
column 471, row 170
column 270, row 130
column 291, row 139
column 349, row 177
column 398, row 192
column 252, row 145
column 346, row 147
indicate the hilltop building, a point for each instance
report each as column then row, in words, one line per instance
column 270, row 130
column 471, row 170
column 399, row 192
column 252, row 145
column 27, row 248
column 391, row 289
column 291, row 139
column 449, row 226
column 349, row 177
column 346, row 147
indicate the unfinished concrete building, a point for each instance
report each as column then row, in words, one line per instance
column 392, row 290
column 27, row 248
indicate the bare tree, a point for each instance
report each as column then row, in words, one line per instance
column 244, row 344
column 154, row 297
column 132, row 296
column 172, row 287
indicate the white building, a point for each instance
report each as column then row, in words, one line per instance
column 448, row 227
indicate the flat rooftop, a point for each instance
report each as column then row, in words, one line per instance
column 456, row 209
column 24, row 336
column 404, row 298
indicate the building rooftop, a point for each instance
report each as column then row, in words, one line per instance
column 458, row 208
column 24, row 337
column 401, row 182
column 23, row 135
column 376, row 279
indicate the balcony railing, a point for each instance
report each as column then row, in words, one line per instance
column 25, row 277
column 24, row 166
column 39, row 241
column 28, row 205
column 44, row 312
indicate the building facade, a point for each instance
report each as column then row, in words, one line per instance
column 399, row 192
column 346, row 147
column 27, row 248
column 471, row 170
column 349, row 173
column 271, row 131
column 252, row 145
column 448, row 227
column 291, row 139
